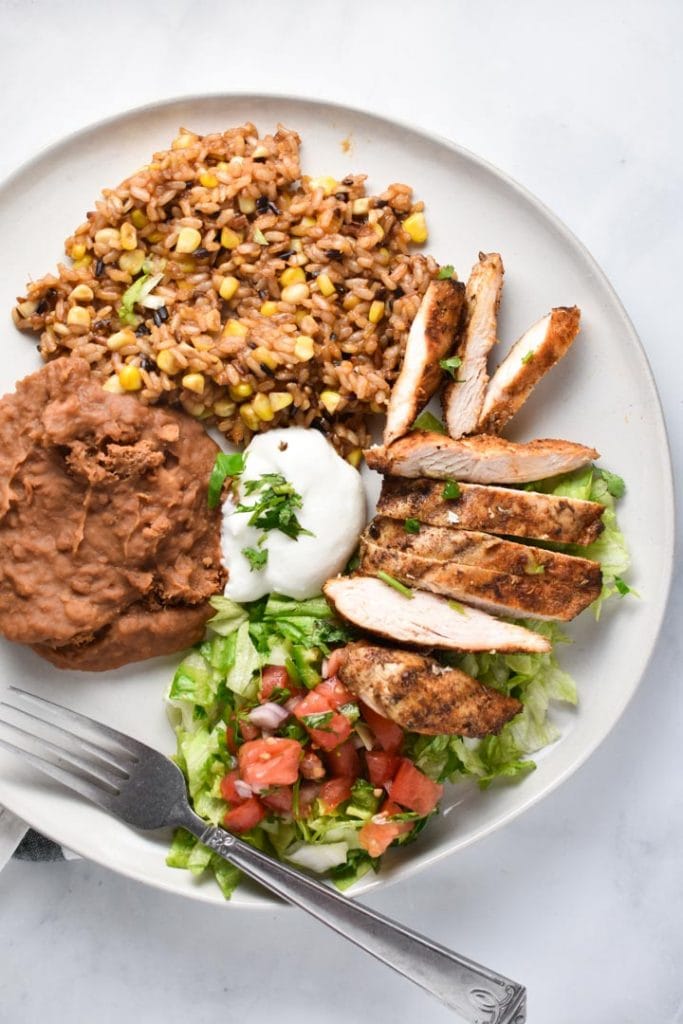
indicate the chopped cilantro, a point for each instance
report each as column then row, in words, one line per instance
column 457, row 607
column 257, row 558
column 224, row 466
column 275, row 507
column 622, row 587
column 528, row 357
column 411, row 525
column 391, row 582
column 350, row 711
column 451, row 490
column 615, row 484
column 533, row 568
column 321, row 721
column 450, row 365
column 446, row 273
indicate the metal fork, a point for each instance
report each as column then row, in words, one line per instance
column 147, row 790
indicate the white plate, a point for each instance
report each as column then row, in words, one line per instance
column 602, row 394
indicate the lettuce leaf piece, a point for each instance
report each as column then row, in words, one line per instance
column 278, row 606
column 358, row 863
column 229, row 615
column 240, row 677
column 227, row 875
column 181, row 848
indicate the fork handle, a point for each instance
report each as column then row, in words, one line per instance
column 479, row 995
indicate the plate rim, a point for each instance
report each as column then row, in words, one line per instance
column 659, row 603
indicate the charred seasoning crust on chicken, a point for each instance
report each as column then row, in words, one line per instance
column 108, row 552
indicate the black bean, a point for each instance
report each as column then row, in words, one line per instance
column 163, row 314
column 100, row 325
column 263, row 294
column 262, row 204
column 141, row 330
column 201, row 253
column 147, row 364
column 334, row 254
column 398, row 292
column 42, row 307
column 285, row 255
column 341, row 196
column 99, row 268
column 273, row 208
column 348, row 180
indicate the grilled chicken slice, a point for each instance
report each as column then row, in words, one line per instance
column 432, row 336
column 526, row 363
column 493, row 509
column 496, row 575
column 424, row 620
column 464, row 396
column 423, row 696
column 484, row 459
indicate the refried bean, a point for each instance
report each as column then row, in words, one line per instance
column 108, row 550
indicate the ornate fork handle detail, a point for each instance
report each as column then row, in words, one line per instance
column 479, row 995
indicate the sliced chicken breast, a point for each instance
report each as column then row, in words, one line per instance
column 423, row 696
column 493, row 509
column 484, row 459
column 488, row 572
column 526, row 363
column 463, row 397
column 432, row 336
column 424, row 620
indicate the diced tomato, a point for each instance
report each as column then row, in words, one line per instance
column 308, row 794
column 376, row 836
column 387, row 733
column 334, row 731
column 343, row 760
column 413, row 789
column 228, row 791
column 335, row 692
column 335, row 792
column 334, row 661
column 231, row 738
column 382, row 766
column 311, row 766
column 245, row 816
column 279, row 800
column 275, row 677
column 314, row 703
column 270, row 762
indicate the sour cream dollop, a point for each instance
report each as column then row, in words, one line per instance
column 333, row 509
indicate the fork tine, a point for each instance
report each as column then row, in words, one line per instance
column 58, row 714
column 67, row 778
column 71, row 742
column 75, row 762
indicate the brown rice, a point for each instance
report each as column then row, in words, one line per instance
column 322, row 350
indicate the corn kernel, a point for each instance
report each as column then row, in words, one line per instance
column 248, row 416
column 330, row 400
column 262, row 407
column 113, row 385
column 222, row 165
column 109, row 237
column 138, row 219
column 302, row 227
column 208, row 180
column 155, row 237
column 82, row 293
column 230, row 239
column 223, row 409
column 354, row 457
column 383, row 256
column 376, row 312
column 234, row 329
column 299, row 317
column 194, row 382
column 239, row 392
column 297, row 245
column 268, row 309
column 77, row 251
column 128, row 236
column 327, row 184
column 84, row 262
column 292, row 275
column 131, row 262
column 189, row 239
column 120, row 340
column 360, row 207
column 295, row 293
column 279, row 400
column 247, row 204
column 260, row 153
column 194, row 409
column 304, row 348
column 379, row 230
column 79, row 318
column 325, row 285
column 350, row 302
column 416, row 226
column 228, row 288
column 182, row 141
column 265, row 357
column 166, row 361
column 130, row 378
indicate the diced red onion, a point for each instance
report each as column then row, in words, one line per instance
column 324, row 667
column 268, row 715
column 292, row 703
column 243, row 789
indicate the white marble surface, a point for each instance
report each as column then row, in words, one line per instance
column 581, row 897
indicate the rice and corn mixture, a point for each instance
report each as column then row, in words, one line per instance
column 221, row 278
